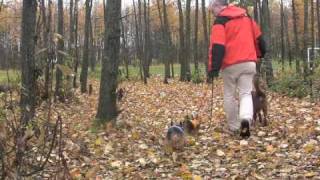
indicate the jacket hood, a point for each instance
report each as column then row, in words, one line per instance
column 232, row 11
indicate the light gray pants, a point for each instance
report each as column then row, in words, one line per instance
column 238, row 76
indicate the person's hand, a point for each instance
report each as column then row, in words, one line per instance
column 213, row 74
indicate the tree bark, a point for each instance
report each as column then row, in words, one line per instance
column 205, row 32
column 267, row 36
column 296, row 39
column 305, row 37
column 76, row 60
column 71, row 28
column 282, row 34
column 107, row 108
column 168, row 42
column 188, row 40
column 28, row 79
column 195, row 43
column 60, row 47
column 85, row 58
column 288, row 40
column 318, row 19
column 182, row 60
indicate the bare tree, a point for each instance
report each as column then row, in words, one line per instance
column 205, row 32
column 168, row 41
column 305, row 36
column 265, row 13
column 188, row 40
column 85, row 60
column 181, row 55
column 76, row 59
column 282, row 33
column 296, row 39
column 60, row 47
column 107, row 108
column 195, row 43
column 28, row 78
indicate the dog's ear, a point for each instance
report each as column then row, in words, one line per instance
column 171, row 123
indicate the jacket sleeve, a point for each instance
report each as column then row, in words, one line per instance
column 217, row 47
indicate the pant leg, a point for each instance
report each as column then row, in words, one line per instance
column 245, row 87
column 229, row 96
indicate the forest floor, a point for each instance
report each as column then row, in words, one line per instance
column 133, row 149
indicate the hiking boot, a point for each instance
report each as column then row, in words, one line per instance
column 245, row 129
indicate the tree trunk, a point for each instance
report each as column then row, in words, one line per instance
column 318, row 19
column 168, row 42
column 47, row 24
column 205, row 32
column 195, row 43
column 146, row 45
column 282, row 34
column 85, row 58
column 288, row 40
column 296, row 39
column 107, row 107
column 267, row 36
column 28, row 80
column 71, row 28
column 142, row 45
column 188, row 40
column 137, row 38
column 162, row 43
column 76, row 60
column 92, row 48
column 182, row 60
column 60, row 47
column 312, row 37
column 305, row 37
column 256, row 10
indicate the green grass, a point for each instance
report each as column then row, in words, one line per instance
column 154, row 70
column 14, row 76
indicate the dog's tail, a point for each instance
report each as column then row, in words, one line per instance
column 256, row 83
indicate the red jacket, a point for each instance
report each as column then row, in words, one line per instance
column 234, row 38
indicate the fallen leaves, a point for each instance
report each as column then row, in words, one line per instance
column 134, row 148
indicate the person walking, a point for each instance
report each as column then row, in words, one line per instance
column 236, row 43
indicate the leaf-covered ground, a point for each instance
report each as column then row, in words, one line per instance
column 133, row 149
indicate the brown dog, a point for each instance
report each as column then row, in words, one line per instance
column 259, row 102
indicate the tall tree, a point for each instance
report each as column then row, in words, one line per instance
column 28, row 78
column 318, row 19
column 71, row 27
column 188, row 39
column 305, row 36
column 288, row 40
column 60, row 48
column 168, row 42
column 265, row 13
column 195, row 43
column 76, row 59
column 282, row 33
column 182, row 60
column 296, row 39
column 146, row 49
column 46, row 39
column 85, row 58
column 312, row 35
column 107, row 108
column 138, row 37
column 205, row 32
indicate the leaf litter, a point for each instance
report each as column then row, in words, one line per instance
column 134, row 148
